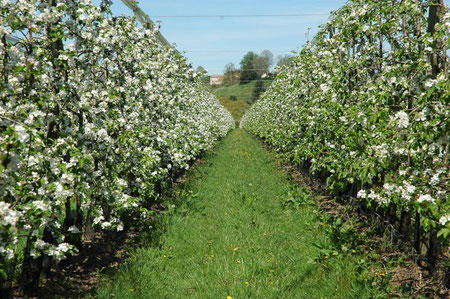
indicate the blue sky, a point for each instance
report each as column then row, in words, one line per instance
column 204, row 39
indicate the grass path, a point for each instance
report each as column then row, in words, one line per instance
column 229, row 235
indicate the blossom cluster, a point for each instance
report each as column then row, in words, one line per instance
column 368, row 104
column 95, row 119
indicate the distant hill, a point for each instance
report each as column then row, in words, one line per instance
column 241, row 92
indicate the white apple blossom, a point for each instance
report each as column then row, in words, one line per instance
column 8, row 216
column 444, row 220
column 402, row 119
column 22, row 132
column 8, row 253
column 40, row 244
column 362, row 193
column 425, row 197
column 73, row 229
column 39, row 204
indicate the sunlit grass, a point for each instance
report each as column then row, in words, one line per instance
column 230, row 236
column 237, row 107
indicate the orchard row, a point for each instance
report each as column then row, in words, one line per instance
column 366, row 108
column 95, row 119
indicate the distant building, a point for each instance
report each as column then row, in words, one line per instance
column 216, row 79
column 269, row 75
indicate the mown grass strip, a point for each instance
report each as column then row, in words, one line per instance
column 237, row 108
column 231, row 235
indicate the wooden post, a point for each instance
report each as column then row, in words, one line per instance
column 405, row 222
column 433, row 19
column 444, row 66
column 381, row 46
column 4, row 53
column 417, row 233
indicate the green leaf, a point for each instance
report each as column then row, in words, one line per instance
column 19, row 68
column 3, row 274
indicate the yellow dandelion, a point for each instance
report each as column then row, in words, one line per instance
column 246, row 282
column 238, row 261
column 229, row 297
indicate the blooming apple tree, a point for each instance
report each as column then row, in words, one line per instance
column 367, row 104
column 95, row 119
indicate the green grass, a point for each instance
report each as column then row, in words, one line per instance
column 242, row 92
column 237, row 108
column 228, row 234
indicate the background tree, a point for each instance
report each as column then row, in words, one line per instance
column 230, row 73
column 269, row 57
column 284, row 60
column 261, row 66
column 263, row 63
column 247, row 69
column 200, row 69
